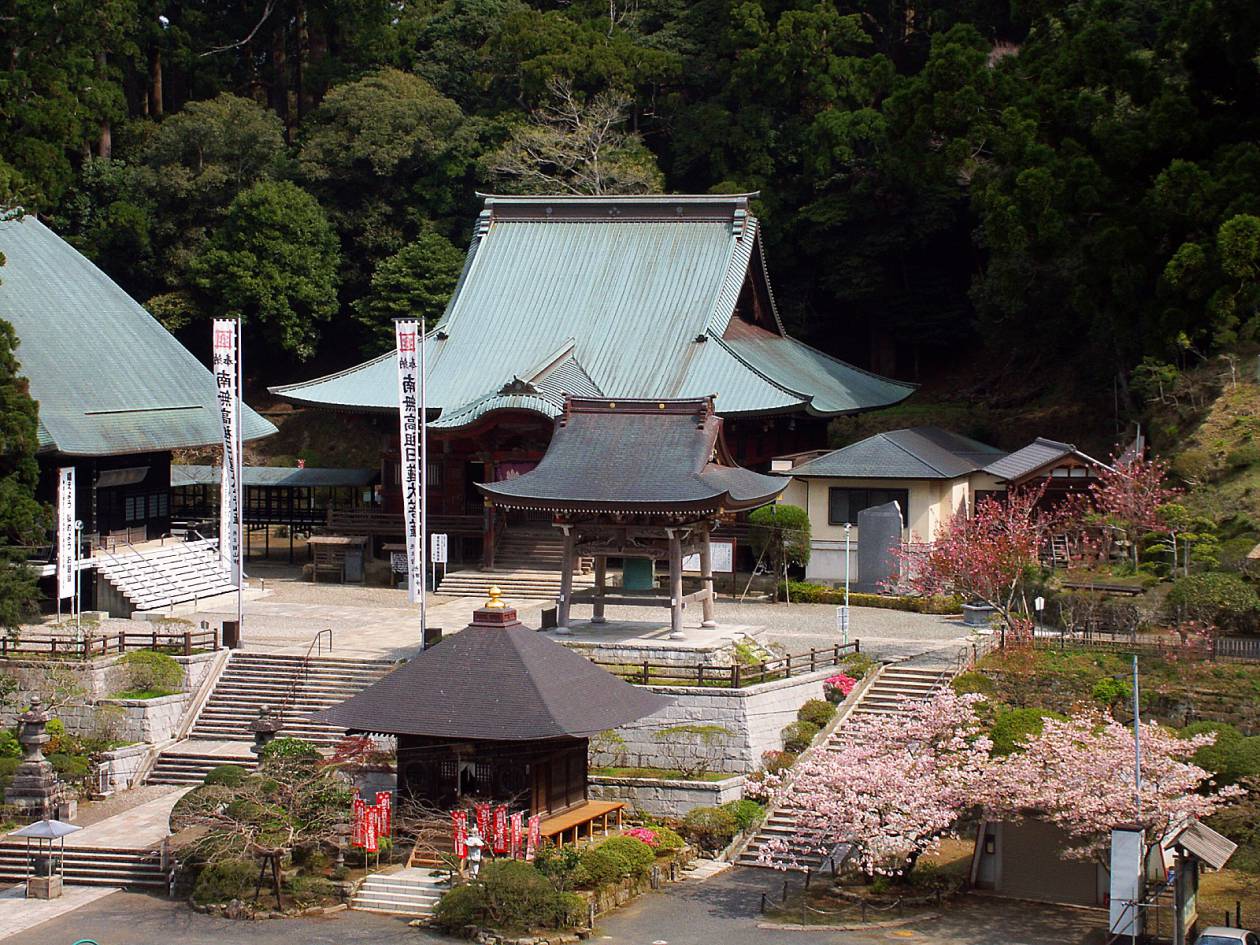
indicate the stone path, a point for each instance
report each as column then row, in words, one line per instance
column 17, row 913
column 139, row 828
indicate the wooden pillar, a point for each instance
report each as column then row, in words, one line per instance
column 487, row 537
column 565, row 602
column 706, row 579
column 675, row 584
column 601, row 581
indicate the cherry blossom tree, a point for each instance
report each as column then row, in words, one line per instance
column 893, row 787
column 1078, row 775
column 1130, row 493
column 985, row 556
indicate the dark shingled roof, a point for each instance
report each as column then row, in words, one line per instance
column 499, row 684
column 1036, row 455
column 638, row 456
column 914, row 453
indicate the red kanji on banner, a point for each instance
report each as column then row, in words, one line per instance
column 517, row 835
column 359, row 808
column 459, row 824
column 501, row 838
column 535, row 836
column 384, row 804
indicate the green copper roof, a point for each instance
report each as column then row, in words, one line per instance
column 108, row 377
column 637, row 292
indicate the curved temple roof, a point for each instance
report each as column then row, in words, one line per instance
column 627, row 297
column 636, row 456
column 495, row 683
column 108, row 377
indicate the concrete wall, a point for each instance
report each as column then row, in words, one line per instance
column 754, row 717
column 122, row 764
column 135, row 719
column 666, row 798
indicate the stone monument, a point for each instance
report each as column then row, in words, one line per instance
column 35, row 791
column 879, row 535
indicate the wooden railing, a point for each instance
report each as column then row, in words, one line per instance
column 63, row 647
column 1223, row 649
column 365, row 522
column 735, row 676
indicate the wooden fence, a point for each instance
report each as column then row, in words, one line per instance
column 63, row 647
column 1223, row 649
column 737, row 675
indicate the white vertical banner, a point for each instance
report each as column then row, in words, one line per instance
column 227, row 381
column 65, row 532
column 409, row 433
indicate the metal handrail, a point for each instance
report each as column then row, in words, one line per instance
column 304, row 671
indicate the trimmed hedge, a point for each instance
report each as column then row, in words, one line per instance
column 148, row 671
column 747, row 813
column 803, row 592
column 510, row 895
column 226, row 880
column 798, row 735
column 230, row 775
column 816, row 712
column 709, row 828
column 615, row 859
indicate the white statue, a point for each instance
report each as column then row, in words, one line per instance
column 474, row 844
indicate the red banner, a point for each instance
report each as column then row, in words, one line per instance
column 384, row 800
column 501, row 837
column 358, row 810
column 535, row 836
column 370, row 828
column 517, row 835
column 459, row 824
column 483, row 820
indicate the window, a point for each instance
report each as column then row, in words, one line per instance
column 843, row 505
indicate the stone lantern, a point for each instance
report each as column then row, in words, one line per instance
column 265, row 729
column 35, row 790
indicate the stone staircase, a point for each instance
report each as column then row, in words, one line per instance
column 410, row 892
column 174, row 573
column 892, row 689
column 292, row 686
column 91, row 866
column 527, row 567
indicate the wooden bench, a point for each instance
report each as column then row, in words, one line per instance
column 572, row 821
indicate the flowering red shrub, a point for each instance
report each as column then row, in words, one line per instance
column 838, row 686
column 644, row 834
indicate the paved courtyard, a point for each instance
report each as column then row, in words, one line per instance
column 378, row 621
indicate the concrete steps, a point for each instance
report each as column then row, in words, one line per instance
column 409, row 892
column 893, row 689
column 91, row 866
column 524, row 584
column 253, row 680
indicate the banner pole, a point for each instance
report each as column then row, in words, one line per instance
column 424, row 484
column 240, row 487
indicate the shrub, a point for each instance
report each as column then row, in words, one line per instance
column 509, row 895
column 229, row 775
column 816, row 711
column 290, row 749
column 225, row 880
column 797, row 736
column 781, row 532
column 615, row 859
column 667, row 841
column 1012, row 726
column 836, row 688
column 973, row 682
column 73, row 769
column 646, row 834
column 147, row 671
column 1240, row 822
column 7, row 767
column 1215, row 597
column 804, row 592
column 709, row 828
column 1193, row 465
column 309, row 890
column 1108, row 690
column 1248, row 454
column 9, row 745
column 747, row 813
column 58, row 740
column 1233, row 758
column 777, row 761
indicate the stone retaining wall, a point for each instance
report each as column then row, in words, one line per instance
column 122, row 764
column 753, row 716
column 666, row 798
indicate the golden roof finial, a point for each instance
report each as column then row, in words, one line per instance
column 496, row 601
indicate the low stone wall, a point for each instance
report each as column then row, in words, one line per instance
column 122, row 764
column 666, row 798
column 661, row 652
column 149, row 720
column 753, row 717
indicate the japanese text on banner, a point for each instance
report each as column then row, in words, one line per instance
column 225, row 368
column 65, row 531
column 409, row 447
